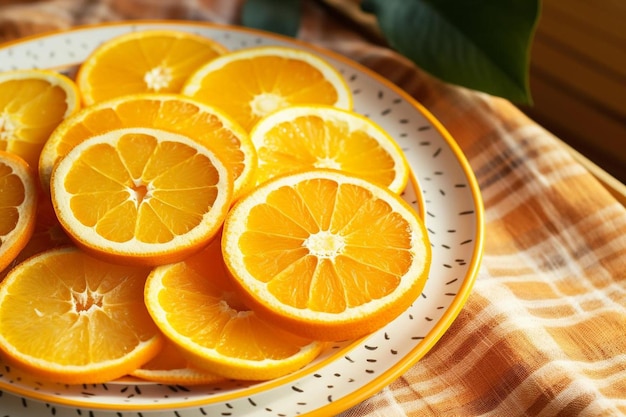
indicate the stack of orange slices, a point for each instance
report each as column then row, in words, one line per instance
column 221, row 217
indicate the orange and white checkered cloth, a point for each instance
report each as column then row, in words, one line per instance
column 544, row 331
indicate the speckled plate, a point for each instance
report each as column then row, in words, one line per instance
column 348, row 372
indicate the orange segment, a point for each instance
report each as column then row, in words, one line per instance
column 32, row 104
column 141, row 196
column 145, row 61
column 251, row 83
column 303, row 137
column 18, row 207
column 174, row 113
column 326, row 255
column 195, row 306
column 70, row 318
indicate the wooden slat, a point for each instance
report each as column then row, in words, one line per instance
column 605, row 17
column 580, row 78
column 585, row 45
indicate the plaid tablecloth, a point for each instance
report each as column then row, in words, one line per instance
column 544, row 331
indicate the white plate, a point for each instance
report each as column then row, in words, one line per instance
column 348, row 372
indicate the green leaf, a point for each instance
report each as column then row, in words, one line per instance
column 480, row 44
column 278, row 16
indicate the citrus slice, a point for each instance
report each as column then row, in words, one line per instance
column 326, row 255
column 251, row 83
column 47, row 234
column 32, row 104
column 141, row 196
column 172, row 368
column 144, row 61
column 18, row 206
column 304, row 137
column 195, row 305
column 71, row 318
column 171, row 112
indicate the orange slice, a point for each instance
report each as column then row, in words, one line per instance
column 70, row 318
column 304, row 137
column 144, row 61
column 326, row 255
column 47, row 234
column 195, row 305
column 18, row 206
column 251, row 83
column 141, row 196
column 172, row 368
column 32, row 104
column 169, row 112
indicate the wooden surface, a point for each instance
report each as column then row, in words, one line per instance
column 578, row 78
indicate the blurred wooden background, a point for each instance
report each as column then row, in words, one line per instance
column 578, row 78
